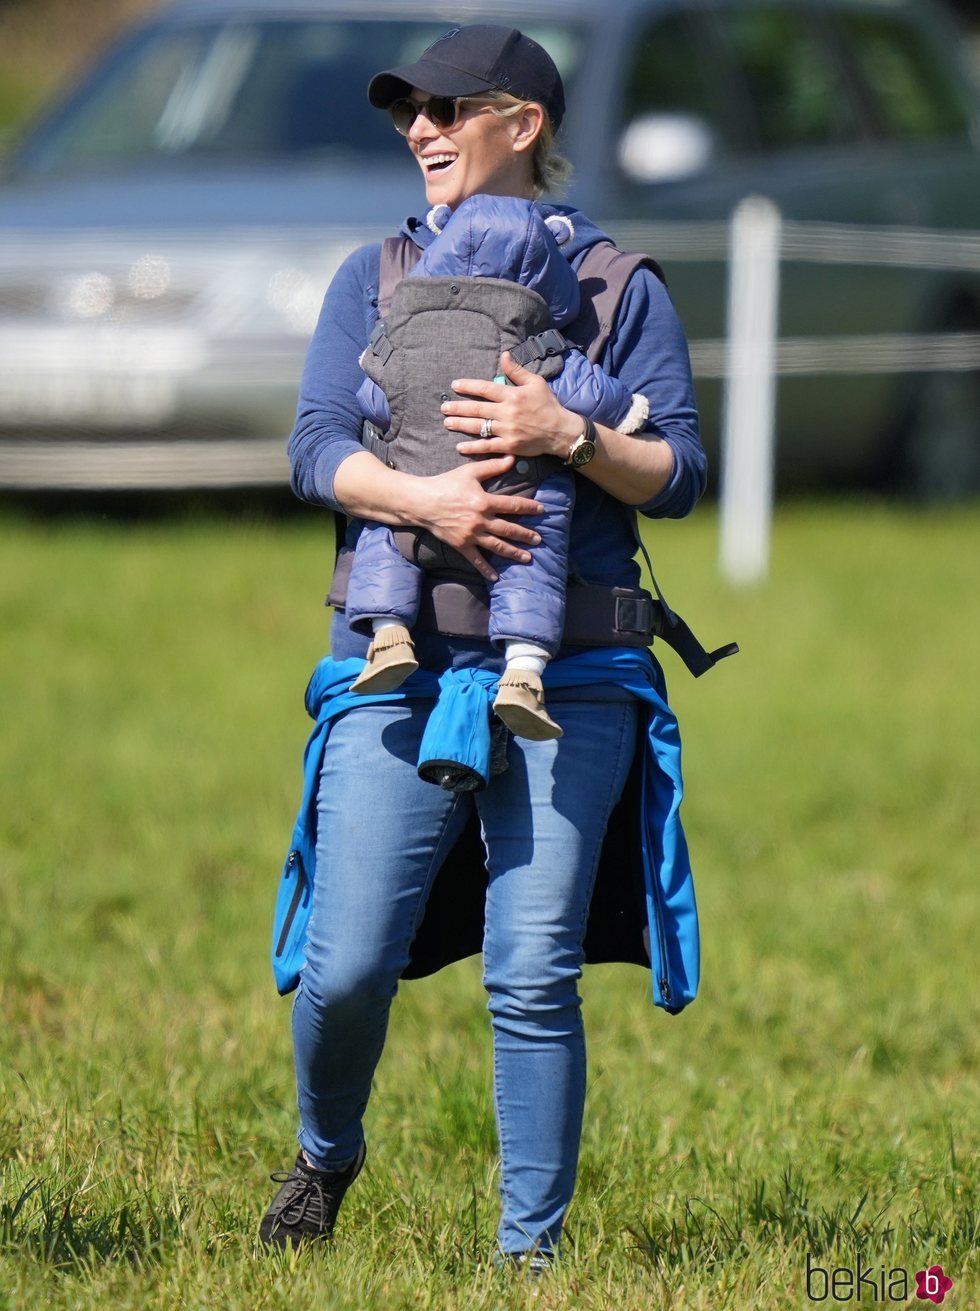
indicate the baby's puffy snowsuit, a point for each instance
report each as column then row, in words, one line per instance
column 493, row 278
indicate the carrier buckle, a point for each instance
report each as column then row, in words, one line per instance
column 540, row 347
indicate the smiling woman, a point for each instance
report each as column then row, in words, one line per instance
column 481, row 481
column 549, row 169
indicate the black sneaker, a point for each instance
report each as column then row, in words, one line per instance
column 305, row 1207
column 531, row 1264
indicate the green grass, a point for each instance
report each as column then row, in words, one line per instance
column 820, row 1096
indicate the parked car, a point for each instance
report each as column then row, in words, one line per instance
column 168, row 228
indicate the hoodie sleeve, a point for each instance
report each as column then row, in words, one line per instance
column 328, row 415
column 648, row 352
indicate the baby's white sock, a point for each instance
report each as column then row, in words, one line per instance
column 378, row 624
column 526, row 655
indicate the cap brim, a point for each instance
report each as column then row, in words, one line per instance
column 437, row 79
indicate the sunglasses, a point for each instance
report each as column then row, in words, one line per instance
column 441, row 111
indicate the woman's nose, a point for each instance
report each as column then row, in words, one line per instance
column 422, row 128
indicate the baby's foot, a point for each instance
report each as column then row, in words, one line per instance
column 520, row 704
column 390, row 660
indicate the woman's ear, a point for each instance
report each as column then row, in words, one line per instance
column 529, row 123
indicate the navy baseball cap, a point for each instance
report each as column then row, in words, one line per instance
column 467, row 61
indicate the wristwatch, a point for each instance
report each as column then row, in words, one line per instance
column 583, row 447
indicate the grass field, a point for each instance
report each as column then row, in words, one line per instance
column 818, row 1102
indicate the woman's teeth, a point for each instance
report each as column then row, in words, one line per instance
column 438, row 162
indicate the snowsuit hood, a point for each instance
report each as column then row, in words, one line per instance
column 584, row 233
column 508, row 238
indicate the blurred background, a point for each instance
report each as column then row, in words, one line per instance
column 172, row 206
column 177, row 194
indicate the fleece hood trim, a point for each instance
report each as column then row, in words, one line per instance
column 585, row 234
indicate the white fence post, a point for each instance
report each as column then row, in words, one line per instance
column 750, row 390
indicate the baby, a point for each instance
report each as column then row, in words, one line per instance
column 494, row 279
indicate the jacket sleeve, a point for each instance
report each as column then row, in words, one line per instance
column 586, row 389
column 374, row 404
column 328, row 415
column 648, row 352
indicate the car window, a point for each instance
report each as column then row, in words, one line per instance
column 913, row 95
column 243, row 90
column 672, row 71
column 795, row 85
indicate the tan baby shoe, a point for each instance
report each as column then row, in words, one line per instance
column 520, row 704
column 390, row 660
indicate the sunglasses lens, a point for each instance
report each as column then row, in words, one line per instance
column 403, row 115
column 442, row 110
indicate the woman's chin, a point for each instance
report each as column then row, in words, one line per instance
column 439, row 192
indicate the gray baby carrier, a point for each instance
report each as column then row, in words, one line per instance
column 467, row 323
column 464, row 324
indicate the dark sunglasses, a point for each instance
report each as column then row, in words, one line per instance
column 441, row 111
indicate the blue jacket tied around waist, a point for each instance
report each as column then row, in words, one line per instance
column 643, row 908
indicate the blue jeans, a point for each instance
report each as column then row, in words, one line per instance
column 383, row 834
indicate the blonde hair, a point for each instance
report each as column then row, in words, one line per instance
column 550, row 170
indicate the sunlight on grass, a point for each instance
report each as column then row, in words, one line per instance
column 820, row 1096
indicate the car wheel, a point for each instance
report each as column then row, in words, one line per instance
column 939, row 438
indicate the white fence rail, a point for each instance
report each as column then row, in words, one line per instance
column 753, row 356
column 109, row 340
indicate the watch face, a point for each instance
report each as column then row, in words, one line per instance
column 583, row 453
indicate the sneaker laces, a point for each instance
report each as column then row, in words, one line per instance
column 312, row 1198
column 308, row 1198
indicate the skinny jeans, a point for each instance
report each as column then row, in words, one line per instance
column 383, row 833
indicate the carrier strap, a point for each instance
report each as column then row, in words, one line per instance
column 603, row 274
column 399, row 255
column 673, row 630
column 595, row 615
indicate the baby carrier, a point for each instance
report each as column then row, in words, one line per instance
column 466, row 323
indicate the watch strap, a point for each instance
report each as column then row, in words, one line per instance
column 588, row 437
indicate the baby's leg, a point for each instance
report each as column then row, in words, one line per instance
column 527, row 613
column 383, row 599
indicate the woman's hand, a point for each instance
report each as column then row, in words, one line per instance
column 527, row 418
column 456, row 508
column 453, row 506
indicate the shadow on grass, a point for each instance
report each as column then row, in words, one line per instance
column 59, row 1229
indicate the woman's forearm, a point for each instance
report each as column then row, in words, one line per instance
column 633, row 467
column 368, row 489
column 526, row 417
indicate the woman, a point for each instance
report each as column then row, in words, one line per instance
column 382, row 831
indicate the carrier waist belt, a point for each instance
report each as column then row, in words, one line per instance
column 595, row 614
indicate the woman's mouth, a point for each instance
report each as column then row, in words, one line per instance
column 437, row 163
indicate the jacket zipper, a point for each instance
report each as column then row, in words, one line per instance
column 293, row 859
column 662, row 944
